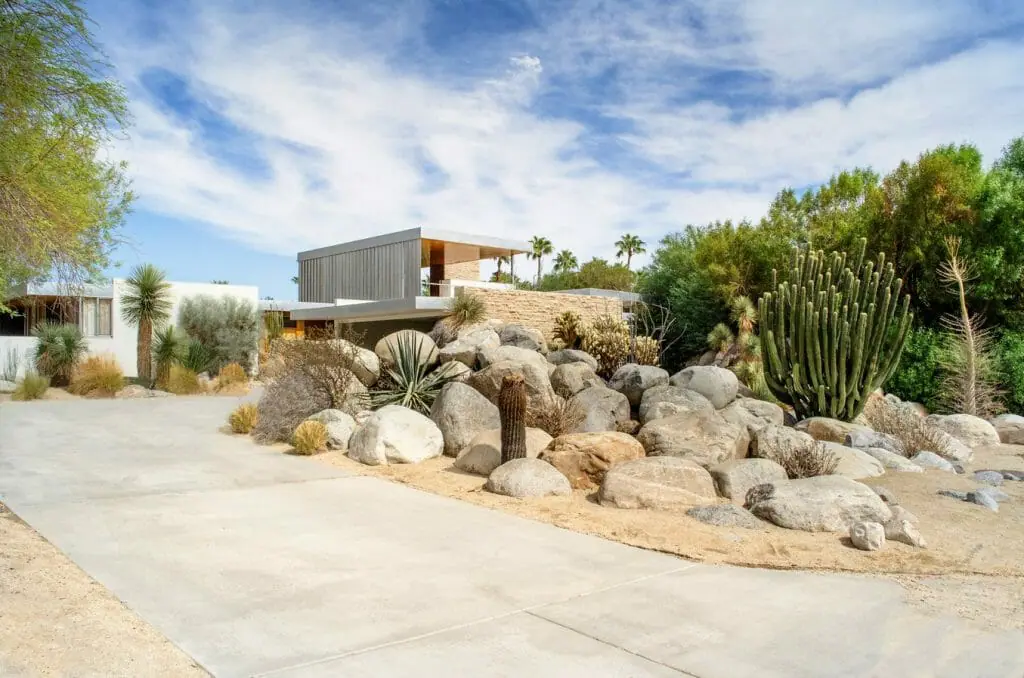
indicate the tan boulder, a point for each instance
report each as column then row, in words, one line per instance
column 584, row 458
column 702, row 437
column 664, row 483
column 827, row 430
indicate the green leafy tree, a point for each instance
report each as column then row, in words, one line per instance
column 542, row 247
column 146, row 304
column 61, row 199
column 565, row 261
column 627, row 246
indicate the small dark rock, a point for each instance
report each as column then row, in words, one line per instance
column 983, row 499
column 955, row 494
column 959, row 468
column 725, row 515
column 759, row 493
column 994, row 478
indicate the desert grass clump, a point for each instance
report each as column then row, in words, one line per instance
column 970, row 380
column 32, row 386
column 231, row 375
column 466, row 309
column 560, row 416
column 97, row 377
column 244, row 418
column 309, row 437
column 607, row 339
column 183, row 381
column 902, row 423
column 806, row 462
column 286, row 403
column 58, row 350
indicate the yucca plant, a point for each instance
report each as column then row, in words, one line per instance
column 58, row 350
column 146, row 304
column 410, row 381
column 167, row 348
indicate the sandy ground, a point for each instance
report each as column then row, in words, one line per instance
column 56, row 621
column 984, row 550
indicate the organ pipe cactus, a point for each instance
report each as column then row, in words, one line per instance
column 832, row 336
column 512, row 415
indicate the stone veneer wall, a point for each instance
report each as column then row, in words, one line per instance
column 469, row 270
column 539, row 309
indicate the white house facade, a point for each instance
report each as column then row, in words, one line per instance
column 97, row 311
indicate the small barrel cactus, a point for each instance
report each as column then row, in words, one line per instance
column 512, row 414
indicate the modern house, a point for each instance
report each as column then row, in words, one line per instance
column 96, row 309
column 408, row 279
column 291, row 327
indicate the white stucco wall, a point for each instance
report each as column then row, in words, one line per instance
column 124, row 337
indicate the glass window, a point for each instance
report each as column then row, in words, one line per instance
column 89, row 317
column 103, row 322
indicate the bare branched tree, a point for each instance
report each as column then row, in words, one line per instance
column 969, row 382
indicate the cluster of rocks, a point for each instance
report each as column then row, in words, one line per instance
column 650, row 440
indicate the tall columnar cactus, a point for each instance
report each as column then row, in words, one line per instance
column 832, row 336
column 512, row 413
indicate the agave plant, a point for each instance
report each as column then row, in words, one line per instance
column 58, row 350
column 197, row 356
column 410, row 381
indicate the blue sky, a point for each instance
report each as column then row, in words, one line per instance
column 262, row 129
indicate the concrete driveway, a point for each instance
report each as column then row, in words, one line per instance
column 257, row 563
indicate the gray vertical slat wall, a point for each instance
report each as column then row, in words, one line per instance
column 390, row 271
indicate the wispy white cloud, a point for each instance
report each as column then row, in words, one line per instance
column 341, row 136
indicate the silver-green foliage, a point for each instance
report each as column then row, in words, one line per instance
column 227, row 326
column 831, row 336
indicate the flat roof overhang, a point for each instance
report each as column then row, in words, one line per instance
column 438, row 246
column 370, row 311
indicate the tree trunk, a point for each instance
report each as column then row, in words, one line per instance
column 144, row 359
column 538, row 272
column 629, row 259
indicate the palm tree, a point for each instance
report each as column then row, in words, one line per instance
column 542, row 247
column 146, row 304
column 566, row 261
column 501, row 260
column 629, row 245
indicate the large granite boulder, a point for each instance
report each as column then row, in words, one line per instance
column 892, row 461
column 968, row 429
column 702, row 437
column 387, row 348
column 538, row 387
column 568, row 379
column 604, row 409
column 527, row 478
column 523, row 337
column 828, row 430
column 490, row 356
column 769, row 413
column 929, row 460
column 717, row 384
column 726, row 515
column 854, row 463
column 775, row 442
column 454, row 371
column 735, row 477
column 365, row 363
column 461, row 412
column 752, row 418
column 340, row 427
column 822, row 504
column 584, row 458
column 665, row 400
column 865, row 438
column 632, row 380
column 483, row 453
column 466, row 348
column 396, row 435
column 657, row 483
column 1010, row 428
column 571, row 355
